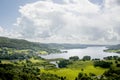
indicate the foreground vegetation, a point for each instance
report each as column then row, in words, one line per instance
column 89, row 69
column 25, row 70
column 37, row 68
column 23, row 62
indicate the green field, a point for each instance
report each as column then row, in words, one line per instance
column 72, row 70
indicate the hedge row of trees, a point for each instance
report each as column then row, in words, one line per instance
column 75, row 58
column 63, row 63
column 112, row 58
column 102, row 64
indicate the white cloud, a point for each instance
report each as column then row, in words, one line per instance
column 9, row 33
column 75, row 21
column 1, row 29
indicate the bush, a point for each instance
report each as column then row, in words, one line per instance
column 63, row 63
column 75, row 58
column 92, row 74
column 102, row 64
column 112, row 74
column 83, row 76
column 86, row 58
column 118, row 65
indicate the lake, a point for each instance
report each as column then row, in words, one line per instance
column 94, row 52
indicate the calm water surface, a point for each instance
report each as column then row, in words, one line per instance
column 94, row 52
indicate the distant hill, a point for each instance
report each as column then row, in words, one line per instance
column 114, row 47
column 18, row 43
column 24, row 44
column 73, row 46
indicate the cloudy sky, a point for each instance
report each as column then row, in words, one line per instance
column 61, row 21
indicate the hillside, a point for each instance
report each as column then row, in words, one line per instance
column 113, row 48
column 24, row 44
column 73, row 46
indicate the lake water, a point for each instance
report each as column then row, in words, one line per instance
column 94, row 52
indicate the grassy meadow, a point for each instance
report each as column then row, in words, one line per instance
column 72, row 70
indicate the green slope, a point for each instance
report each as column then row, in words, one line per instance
column 24, row 44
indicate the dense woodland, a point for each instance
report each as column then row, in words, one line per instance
column 20, row 60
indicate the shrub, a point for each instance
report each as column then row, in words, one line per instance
column 102, row 64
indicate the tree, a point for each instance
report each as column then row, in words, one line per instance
column 74, row 58
column 82, row 69
column 117, row 65
column 102, row 64
column 115, row 57
column 63, row 63
column 92, row 74
column 80, row 75
column 86, row 58
column 83, row 76
column 118, row 59
column 108, row 58
column 96, row 59
column 112, row 74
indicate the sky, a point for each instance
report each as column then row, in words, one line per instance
column 61, row 21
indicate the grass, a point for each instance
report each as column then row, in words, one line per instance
column 26, row 51
column 37, row 60
column 71, row 72
column 80, row 64
column 6, row 62
column 42, row 52
column 87, row 67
